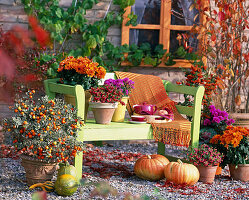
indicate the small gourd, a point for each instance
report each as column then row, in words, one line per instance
column 151, row 167
column 47, row 186
column 66, row 185
column 181, row 173
column 66, row 168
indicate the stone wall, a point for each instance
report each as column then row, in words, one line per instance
column 12, row 13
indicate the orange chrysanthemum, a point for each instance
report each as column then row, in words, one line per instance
column 232, row 135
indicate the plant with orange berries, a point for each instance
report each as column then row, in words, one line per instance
column 234, row 144
column 81, row 70
column 44, row 129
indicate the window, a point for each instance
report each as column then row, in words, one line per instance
column 159, row 22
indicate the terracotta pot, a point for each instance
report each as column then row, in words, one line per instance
column 119, row 113
column 37, row 171
column 207, row 174
column 71, row 100
column 241, row 173
column 241, row 119
column 103, row 112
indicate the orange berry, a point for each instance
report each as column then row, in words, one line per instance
column 30, row 136
column 33, row 91
column 25, row 122
column 30, row 96
column 16, row 110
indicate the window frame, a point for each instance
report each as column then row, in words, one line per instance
column 164, row 32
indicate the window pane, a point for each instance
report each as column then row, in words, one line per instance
column 175, row 44
column 147, row 11
column 139, row 36
column 181, row 15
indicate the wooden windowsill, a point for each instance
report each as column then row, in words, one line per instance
column 179, row 63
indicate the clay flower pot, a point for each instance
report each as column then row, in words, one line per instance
column 207, row 174
column 103, row 112
column 37, row 171
column 240, row 173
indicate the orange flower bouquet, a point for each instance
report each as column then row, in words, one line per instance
column 44, row 129
column 234, row 144
column 81, row 70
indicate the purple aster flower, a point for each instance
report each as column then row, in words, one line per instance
column 212, row 107
column 232, row 121
column 216, row 120
column 224, row 114
column 207, row 122
column 221, row 118
column 216, row 114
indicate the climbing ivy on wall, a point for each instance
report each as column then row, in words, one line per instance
column 65, row 24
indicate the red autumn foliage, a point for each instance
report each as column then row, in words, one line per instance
column 41, row 35
column 95, row 159
column 14, row 44
column 224, row 33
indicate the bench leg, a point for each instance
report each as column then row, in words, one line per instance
column 78, row 162
column 161, row 148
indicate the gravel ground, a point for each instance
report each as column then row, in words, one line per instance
column 12, row 177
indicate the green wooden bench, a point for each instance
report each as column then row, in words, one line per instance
column 126, row 131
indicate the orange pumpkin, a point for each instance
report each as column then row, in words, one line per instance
column 181, row 173
column 151, row 167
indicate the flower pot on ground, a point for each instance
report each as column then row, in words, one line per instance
column 81, row 71
column 239, row 172
column 103, row 112
column 241, row 119
column 207, row 173
column 44, row 130
column 206, row 159
column 37, row 171
column 125, row 85
column 234, row 145
column 105, row 99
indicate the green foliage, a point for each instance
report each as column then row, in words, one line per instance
column 132, row 19
column 66, row 23
column 151, row 57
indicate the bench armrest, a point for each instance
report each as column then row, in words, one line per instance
column 52, row 87
column 195, row 111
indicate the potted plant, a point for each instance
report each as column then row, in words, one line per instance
column 104, row 101
column 234, row 144
column 44, row 132
column 206, row 159
column 81, row 71
column 125, row 85
column 216, row 119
